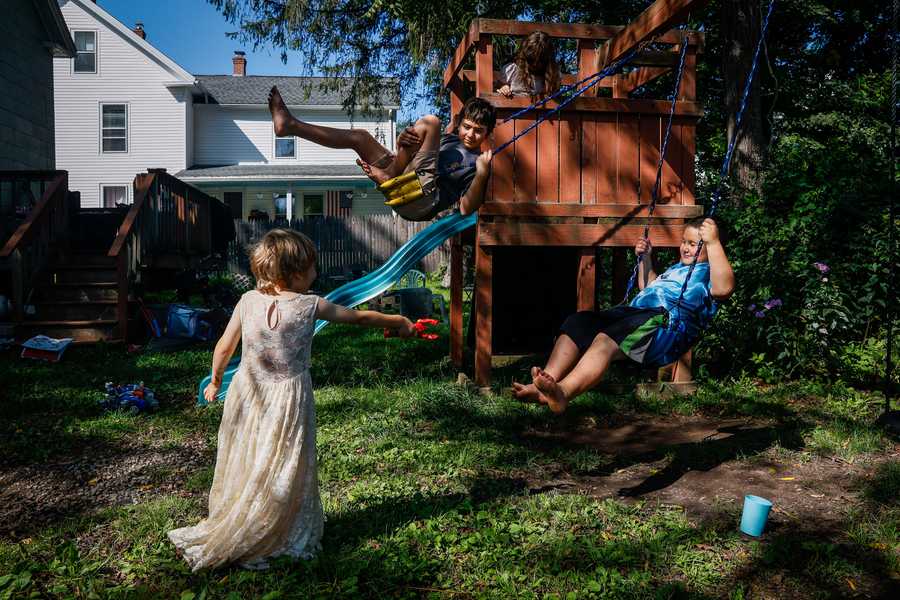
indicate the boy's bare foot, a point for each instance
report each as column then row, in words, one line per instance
column 281, row 116
column 526, row 392
column 377, row 175
column 550, row 393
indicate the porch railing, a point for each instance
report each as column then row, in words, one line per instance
column 168, row 217
column 44, row 231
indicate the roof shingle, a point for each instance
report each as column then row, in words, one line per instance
column 296, row 91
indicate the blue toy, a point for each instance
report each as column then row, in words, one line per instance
column 135, row 398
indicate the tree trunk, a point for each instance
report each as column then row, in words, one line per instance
column 740, row 34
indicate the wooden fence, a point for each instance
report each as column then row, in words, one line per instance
column 346, row 245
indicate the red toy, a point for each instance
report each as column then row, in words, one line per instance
column 421, row 327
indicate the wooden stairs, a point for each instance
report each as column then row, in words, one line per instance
column 77, row 297
column 72, row 272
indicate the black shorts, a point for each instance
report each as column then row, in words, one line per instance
column 633, row 329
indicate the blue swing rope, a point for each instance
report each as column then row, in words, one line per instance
column 591, row 80
column 730, row 152
column 654, row 194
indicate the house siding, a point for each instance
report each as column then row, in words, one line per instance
column 26, row 78
column 189, row 126
column 157, row 115
column 227, row 135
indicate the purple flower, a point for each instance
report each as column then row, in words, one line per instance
column 822, row 267
column 760, row 314
column 774, row 302
column 751, row 308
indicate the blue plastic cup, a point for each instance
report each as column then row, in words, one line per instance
column 756, row 512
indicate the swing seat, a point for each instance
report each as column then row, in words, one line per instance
column 402, row 189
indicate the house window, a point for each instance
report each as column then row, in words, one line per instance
column 313, row 204
column 380, row 135
column 346, row 199
column 286, row 147
column 86, row 51
column 114, row 194
column 115, row 128
column 280, row 201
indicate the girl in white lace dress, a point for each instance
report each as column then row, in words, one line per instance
column 264, row 500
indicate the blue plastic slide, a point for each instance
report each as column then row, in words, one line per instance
column 377, row 282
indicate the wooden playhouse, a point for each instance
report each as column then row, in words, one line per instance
column 579, row 181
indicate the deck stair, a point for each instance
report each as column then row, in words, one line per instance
column 73, row 272
column 77, row 298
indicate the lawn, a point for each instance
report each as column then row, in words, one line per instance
column 432, row 489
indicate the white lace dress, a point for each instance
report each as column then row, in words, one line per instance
column 264, row 500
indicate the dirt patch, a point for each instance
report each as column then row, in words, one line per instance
column 708, row 466
column 35, row 496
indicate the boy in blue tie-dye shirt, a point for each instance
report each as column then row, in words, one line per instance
column 654, row 329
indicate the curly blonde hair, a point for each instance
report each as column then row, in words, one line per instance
column 279, row 256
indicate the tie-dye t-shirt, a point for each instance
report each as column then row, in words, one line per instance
column 697, row 307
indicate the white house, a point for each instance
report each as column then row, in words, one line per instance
column 122, row 106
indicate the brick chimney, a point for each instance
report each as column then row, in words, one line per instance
column 139, row 29
column 240, row 63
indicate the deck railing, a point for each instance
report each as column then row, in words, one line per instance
column 42, row 234
column 168, row 217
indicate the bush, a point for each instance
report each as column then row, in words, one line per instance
column 811, row 251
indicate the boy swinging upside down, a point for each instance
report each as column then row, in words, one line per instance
column 589, row 341
column 451, row 167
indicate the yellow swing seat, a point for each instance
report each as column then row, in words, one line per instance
column 402, row 189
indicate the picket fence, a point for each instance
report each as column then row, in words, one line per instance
column 347, row 246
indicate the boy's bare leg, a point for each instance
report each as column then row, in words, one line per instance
column 358, row 140
column 586, row 374
column 428, row 129
column 562, row 359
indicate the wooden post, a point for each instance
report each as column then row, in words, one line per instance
column 681, row 372
column 456, row 304
column 687, row 91
column 18, row 284
column 484, row 310
column 456, row 97
column 587, row 280
column 587, row 61
column 620, row 274
column 122, row 288
column 484, row 65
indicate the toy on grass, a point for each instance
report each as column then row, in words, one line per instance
column 421, row 326
column 133, row 397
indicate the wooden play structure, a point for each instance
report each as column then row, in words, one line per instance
column 578, row 181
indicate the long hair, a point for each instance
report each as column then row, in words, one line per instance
column 537, row 56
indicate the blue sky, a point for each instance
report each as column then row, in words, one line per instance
column 193, row 34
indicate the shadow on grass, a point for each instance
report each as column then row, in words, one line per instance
column 375, row 519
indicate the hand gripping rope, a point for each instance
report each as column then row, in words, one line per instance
column 726, row 164
column 654, row 194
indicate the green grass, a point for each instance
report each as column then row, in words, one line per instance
column 425, row 486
